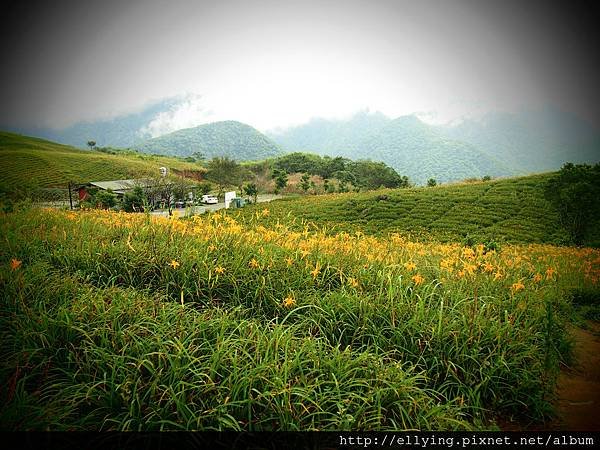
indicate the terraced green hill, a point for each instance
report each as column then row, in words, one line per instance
column 505, row 210
column 32, row 162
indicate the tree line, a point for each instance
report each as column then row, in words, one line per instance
column 362, row 174
column 575, row 193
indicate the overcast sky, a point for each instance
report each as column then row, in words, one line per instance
column 274, row 63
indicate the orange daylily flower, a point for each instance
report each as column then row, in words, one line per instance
column 418, row 279
column 518, row 286
column 289, row 301
column 410, row 266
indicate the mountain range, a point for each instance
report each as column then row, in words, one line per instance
column 498, row 144
column 122, row 131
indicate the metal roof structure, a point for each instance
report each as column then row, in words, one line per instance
column 119, row 186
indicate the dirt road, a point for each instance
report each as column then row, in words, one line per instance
column 201, row 209
column 579, row 387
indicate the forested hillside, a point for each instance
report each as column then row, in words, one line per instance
column 230, row 138
column 331, row 137
column 418, row 150
column 531, row 142
column 499, row 144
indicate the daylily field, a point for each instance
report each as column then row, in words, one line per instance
column 119, row 321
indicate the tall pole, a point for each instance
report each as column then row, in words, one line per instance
column 70, row 196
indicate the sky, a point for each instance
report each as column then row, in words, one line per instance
column 277, row 63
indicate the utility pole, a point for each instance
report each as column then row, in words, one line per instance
column 70, row 196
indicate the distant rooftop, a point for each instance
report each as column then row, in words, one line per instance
column 120, row 186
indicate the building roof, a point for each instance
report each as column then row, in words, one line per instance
column 119, row 186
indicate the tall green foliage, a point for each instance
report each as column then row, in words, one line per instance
column 305, row 182
column 251, row 190
column 105, row 199
column 281, row 180
column 364, row 174
column 575, row 193
column 224, row 171
column 134, row 200
column 372, row 175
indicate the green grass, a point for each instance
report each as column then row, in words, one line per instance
column 273, row 317
column 33, row 163
column 123, row 322
column 510, row 210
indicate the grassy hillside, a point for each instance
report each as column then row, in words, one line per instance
column 229, row 138
column 32, row 162
column 505, row 210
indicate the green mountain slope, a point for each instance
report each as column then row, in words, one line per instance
column 331, row 137
column 500, row 144
column 416, row 149
column 32, row 162
column 505, row 210
column 531, row 142
column 410, row 146
column 230, row 138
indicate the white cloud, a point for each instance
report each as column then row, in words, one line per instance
column 187, row 113
column 275, row 63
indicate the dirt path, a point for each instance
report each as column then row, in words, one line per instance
column 579, row 387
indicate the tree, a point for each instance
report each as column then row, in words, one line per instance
column 575, row 193
column 224, row 171
column 431, row 182
column 91, row 144
column 197, row 157
column 252, row 191
column 105, row 199
column 157, row 191
column 243, row 175
column 133, row 201
column 333, row 165
column 305, row 182
column 203, row 188
column 373, row 175
column 327, row 186
column 281, row 179
column 181, row 189
column 299, row 162
column 346, row 177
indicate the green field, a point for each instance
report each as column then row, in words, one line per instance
column 443, row 308
column 27, row 162
column 117, row 321
column 511, row 210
